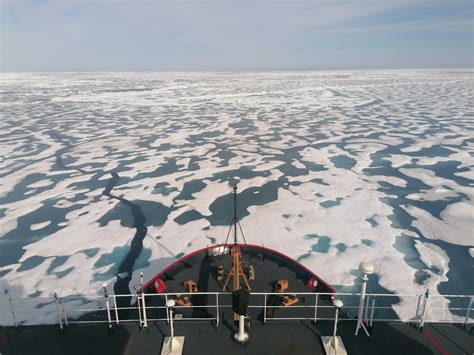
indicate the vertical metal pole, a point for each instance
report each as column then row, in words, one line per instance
column 64, row 312
column 167, row 310
column 171, row 325
column 335, row 323
column 366, row 310
column 10, row 301
column 417, row 315
column 334, row 341
column 139, row 305
column 361, row 303
column 116, row 310
column 217, row 310
column 468, row 311
column 145, row 322
column 107, row 304
column 241, row 335
column 316, row 307
column 372, row 312
column 265, row 309
column 235, row 221
column 425, row 308
column 55, row 295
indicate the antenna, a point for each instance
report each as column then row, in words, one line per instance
column 235, row 224
column 237, row 270
column 235, row 213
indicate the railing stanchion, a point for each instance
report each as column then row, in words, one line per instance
column 316, row 307
column 217, row 309
column 425, row 308
column 64, row 312
column 366, row 269
column 468, row 311
column 116, row 310
column 366, row 310
column 265, row 309
column 139, row 306
column 95, row 307
column 6, row 290
column 10, row 302
column 417, row 315
column 145, row 322
column 107, row 304
column 167, row 310
column 56, row 300
column 372, row 313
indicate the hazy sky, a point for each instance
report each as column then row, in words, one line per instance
column 234, row 35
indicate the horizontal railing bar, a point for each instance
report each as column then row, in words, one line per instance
column 74, row 303
column 92, row 298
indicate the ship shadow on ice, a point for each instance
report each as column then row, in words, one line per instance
column 127, row 307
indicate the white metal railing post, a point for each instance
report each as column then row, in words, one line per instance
column 55, row 296
column 366, row 310
column 337, row 306
column 265, row 309
column 468, row 311
column 360, row 313
column 167, row 310
column 334, row 342
column 10, row 302
column 425, row 308
column 417, row 315
column 316, row 307
column 217, row 309
column 366, row 269
column 116, row 310
column 171, row 322
column 6, row 291
column 107, row 304
column 145, row 322
column 369, row 310
column 64, row 312
column 140, row 320
column 172, row 342
column 372, row 313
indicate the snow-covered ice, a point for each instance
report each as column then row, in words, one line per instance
column 378, row 164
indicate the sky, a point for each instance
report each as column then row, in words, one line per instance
column 182, row 35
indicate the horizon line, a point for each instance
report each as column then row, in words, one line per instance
column 469, row 68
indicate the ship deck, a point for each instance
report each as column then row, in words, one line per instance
column 212, row 328
column 203, row 338
column 269, row 267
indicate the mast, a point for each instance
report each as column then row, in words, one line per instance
column 235, row 214
column 237, row 270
